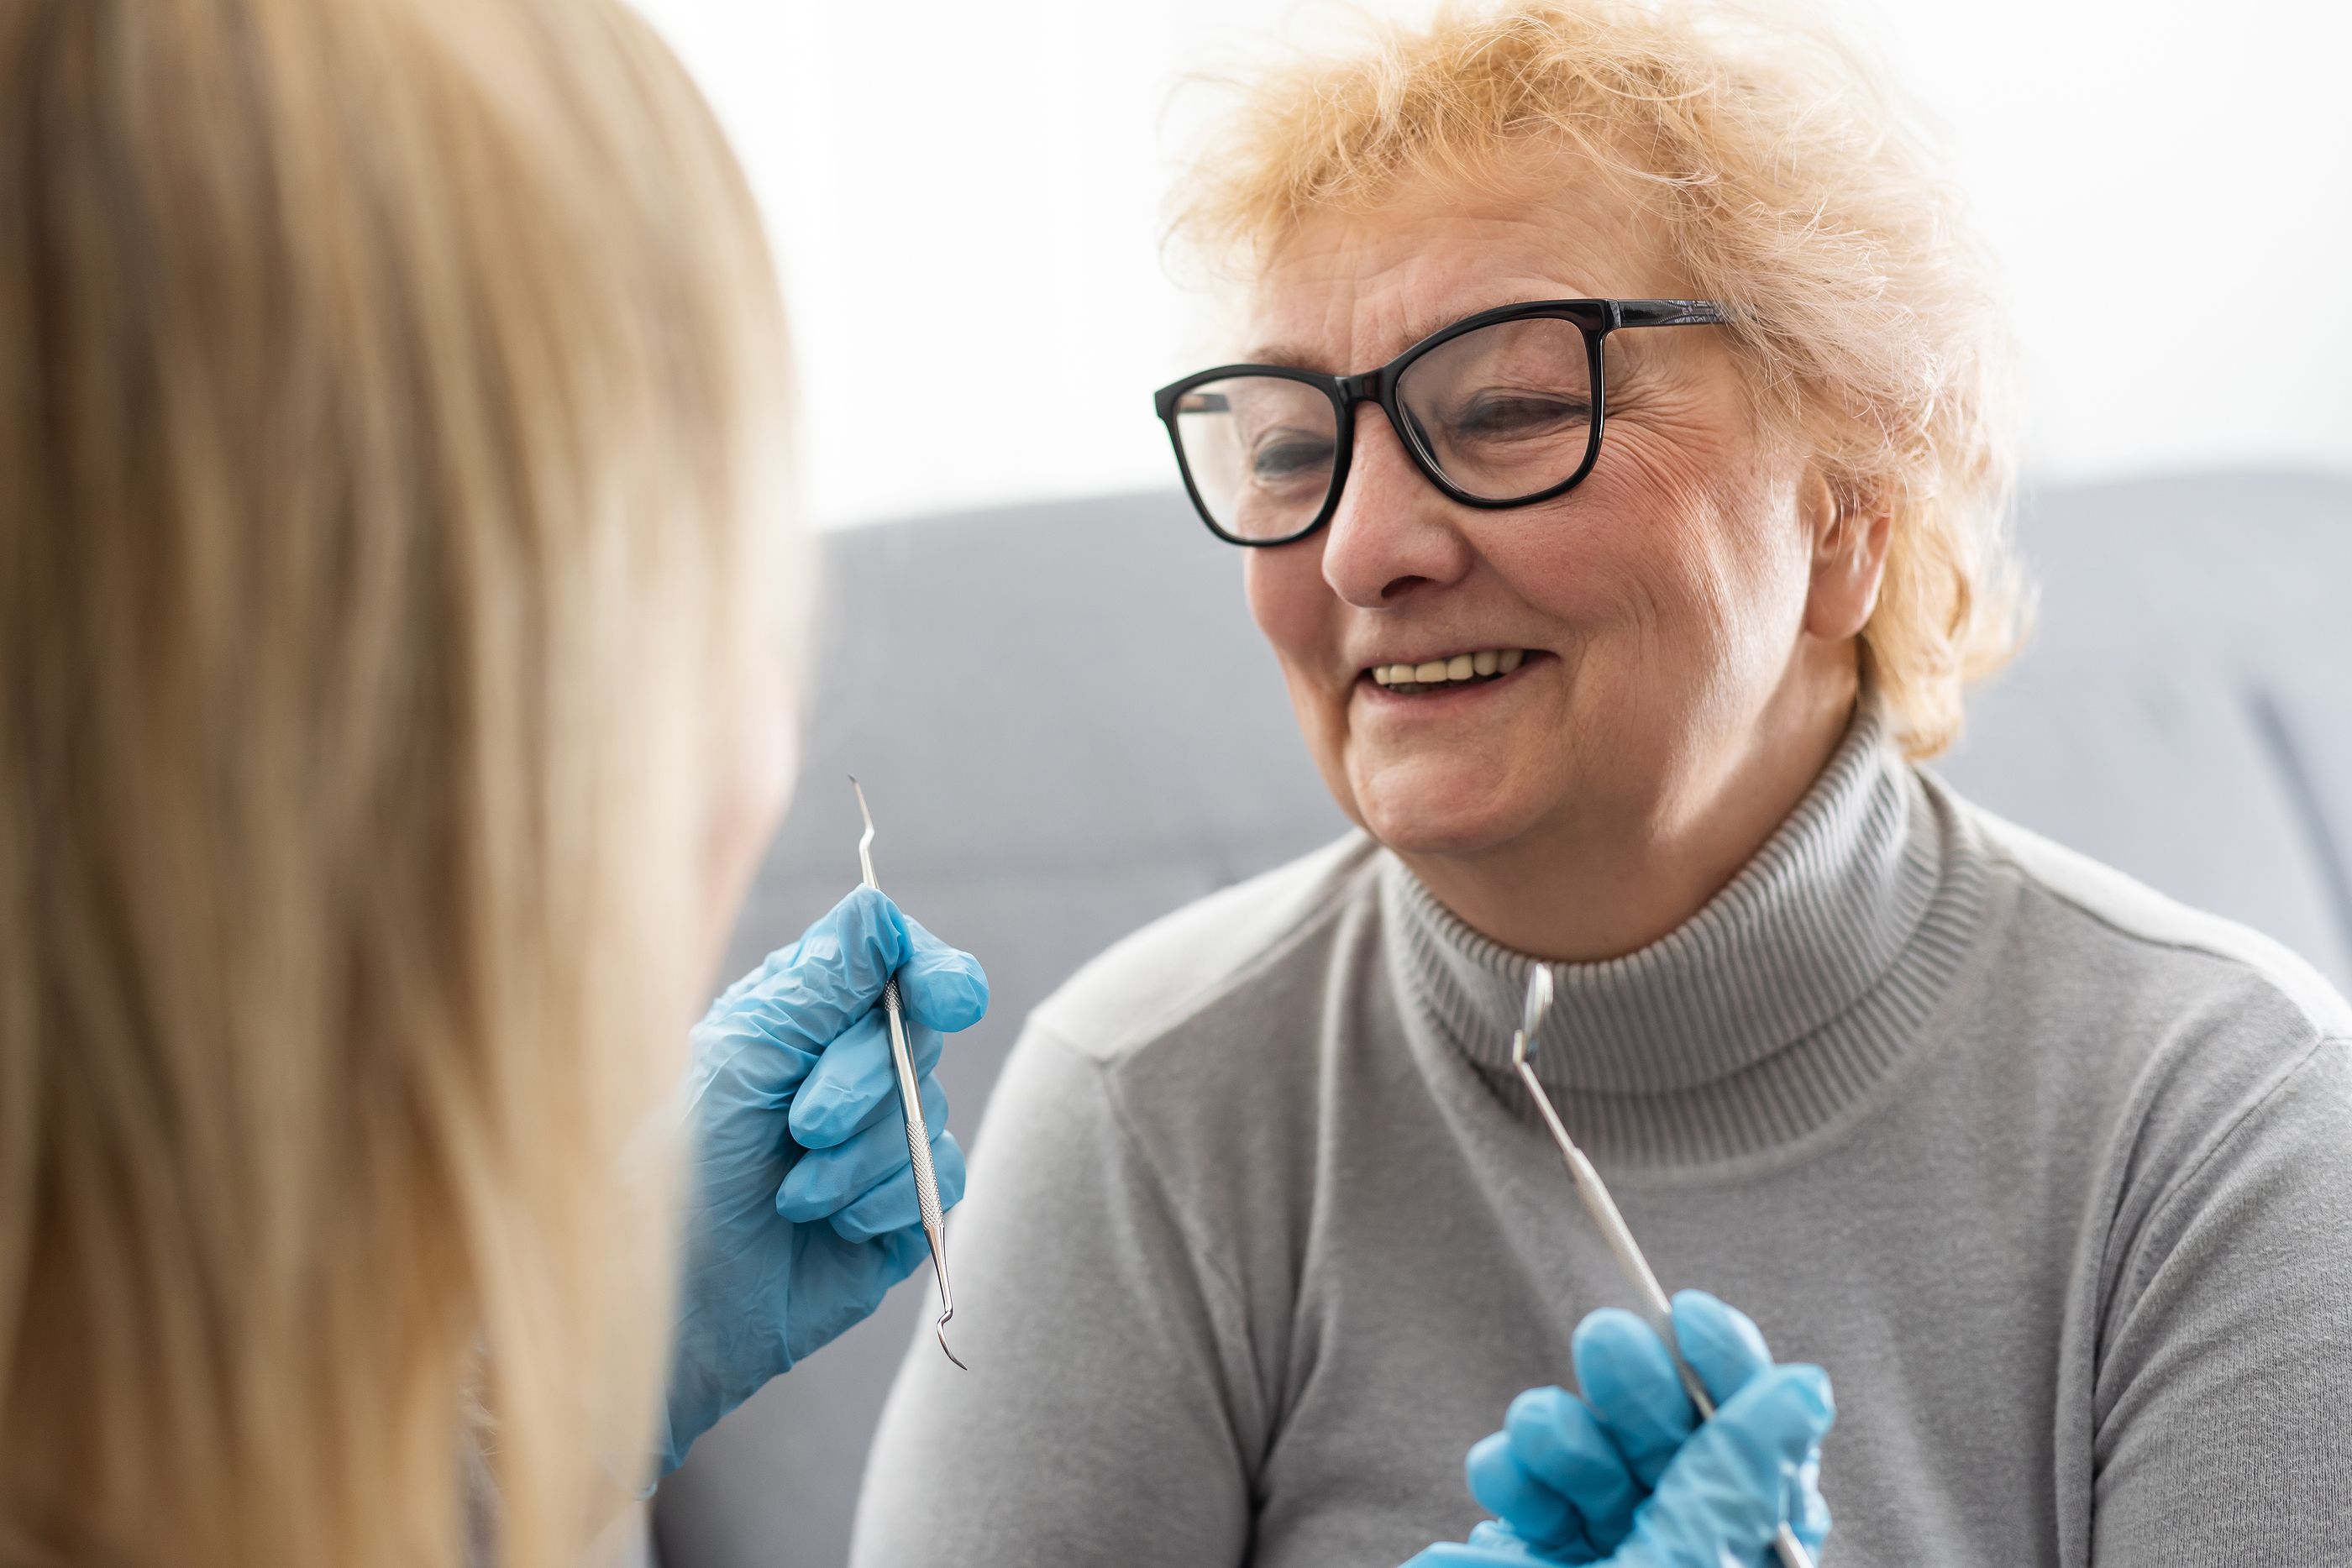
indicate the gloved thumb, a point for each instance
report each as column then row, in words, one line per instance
column 1733, row 1484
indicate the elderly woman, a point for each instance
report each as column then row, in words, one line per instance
column 1616, row 445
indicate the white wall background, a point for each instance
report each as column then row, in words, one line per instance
column 967, row 201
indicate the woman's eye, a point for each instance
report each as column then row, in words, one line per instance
column 1285, row 458
column 1506, row 418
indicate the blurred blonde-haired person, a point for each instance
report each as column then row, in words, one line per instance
column 398, row 630
column 1614, row 433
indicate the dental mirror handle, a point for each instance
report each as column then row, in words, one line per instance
column 1620, row 1236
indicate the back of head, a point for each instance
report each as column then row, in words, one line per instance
column 382, row 386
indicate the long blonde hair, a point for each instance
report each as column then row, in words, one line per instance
column 387, row 388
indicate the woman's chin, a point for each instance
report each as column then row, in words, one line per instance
column 1444, row 810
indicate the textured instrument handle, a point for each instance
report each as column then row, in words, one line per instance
column 910, row 1100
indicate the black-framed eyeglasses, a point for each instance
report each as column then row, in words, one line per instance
column 1501, row 409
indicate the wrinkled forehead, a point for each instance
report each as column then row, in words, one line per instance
column 1346, row 290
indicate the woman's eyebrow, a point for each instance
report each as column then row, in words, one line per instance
column 1281, row 354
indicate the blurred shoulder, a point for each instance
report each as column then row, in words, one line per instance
column 1150, row 985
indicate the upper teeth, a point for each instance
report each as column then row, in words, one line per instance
column 1460, row 667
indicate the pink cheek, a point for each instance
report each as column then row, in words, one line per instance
column 1608, row 545
column 1562, row 569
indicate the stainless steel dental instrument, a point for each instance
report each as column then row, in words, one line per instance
column 910, row 1100
column 1613, row 1230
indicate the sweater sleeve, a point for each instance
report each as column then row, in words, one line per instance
column 1107, row 1415
column 2224, row 1392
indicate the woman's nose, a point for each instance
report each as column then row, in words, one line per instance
column 1392, row 534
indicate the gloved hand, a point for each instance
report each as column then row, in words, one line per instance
column 1628, row 1477
column 801, row 1205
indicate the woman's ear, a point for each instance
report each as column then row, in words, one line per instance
column 1848, row 531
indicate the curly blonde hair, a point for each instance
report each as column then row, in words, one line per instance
column 1793, row 192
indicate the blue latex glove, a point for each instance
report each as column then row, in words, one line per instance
column 1628, row 1475
column 801, row 1206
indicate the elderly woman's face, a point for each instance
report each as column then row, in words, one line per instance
column 1655, row 608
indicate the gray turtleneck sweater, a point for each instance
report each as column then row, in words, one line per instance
column 2054, row 1176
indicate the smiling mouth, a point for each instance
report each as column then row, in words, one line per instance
column 1444, row 674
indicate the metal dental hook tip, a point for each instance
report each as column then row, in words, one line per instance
column 941, row 1328
column 866, row 841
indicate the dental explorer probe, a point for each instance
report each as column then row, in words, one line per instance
column 910, row 1100
column 1613, row 1230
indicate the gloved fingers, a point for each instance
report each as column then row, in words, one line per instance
column 1634, row 1387
column 1726, row 1349
column 855, row 1079
column 1558, row 1440
column 1729, row 1489
column 891, row 1204
column 1504, row 1487
column 824, row 1181
column 1719, row 1343
column 944, row 987
column 857, row 1110
column 1528, row 1509
column 809, row 992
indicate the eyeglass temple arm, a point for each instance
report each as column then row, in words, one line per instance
column 1669, row 313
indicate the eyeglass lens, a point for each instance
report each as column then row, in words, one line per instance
column 1503, row 412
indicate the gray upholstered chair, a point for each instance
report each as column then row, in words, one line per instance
column 1068, row 726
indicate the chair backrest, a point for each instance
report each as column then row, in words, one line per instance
column 1068, row 726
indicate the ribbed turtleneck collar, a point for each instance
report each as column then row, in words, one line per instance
column 1781, row 999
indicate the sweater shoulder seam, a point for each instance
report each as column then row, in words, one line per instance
column 2284, row 985
column 1125, row 1044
